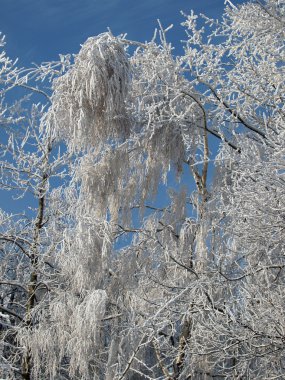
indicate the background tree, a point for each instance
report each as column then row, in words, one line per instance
column 30, row 161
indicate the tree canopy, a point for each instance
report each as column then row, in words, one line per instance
column 149, row 243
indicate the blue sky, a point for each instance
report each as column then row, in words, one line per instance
column 39, row 30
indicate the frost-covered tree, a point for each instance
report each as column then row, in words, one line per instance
column 30, row 163
column 161, row 256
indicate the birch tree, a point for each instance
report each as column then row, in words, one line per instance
column 130, row 273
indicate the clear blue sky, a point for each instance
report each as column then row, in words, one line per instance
column 39, row 30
